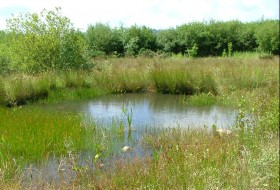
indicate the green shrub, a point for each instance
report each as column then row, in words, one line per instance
column 146, row 53
column 45, row 41
column 267, row 35
column 5, row 58
column 103, row 41
column 192, row 53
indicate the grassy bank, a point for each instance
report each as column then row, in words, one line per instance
column 215, row 76
column 181, row 158
column 185, row 161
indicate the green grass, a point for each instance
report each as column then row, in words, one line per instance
column 181, row 158
column 182, row 82
column 188, row 162
column 33, row 135
column 217, row 76
column 205, row 100
column 252, row 55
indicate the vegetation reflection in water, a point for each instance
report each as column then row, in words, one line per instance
column 115, row 121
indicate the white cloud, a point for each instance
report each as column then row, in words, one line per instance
column 152, row 13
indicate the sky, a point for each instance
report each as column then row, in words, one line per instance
column 156, row 14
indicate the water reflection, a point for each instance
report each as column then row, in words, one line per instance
column 150, row 112
column 157, row 110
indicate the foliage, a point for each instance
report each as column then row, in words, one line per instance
column 45, row 41
column 267, row 36
column 136, row 38
column 5, row 52
column 103, row 40
column 48, row 40
column 168, row 41
column 229, row 49
column 192, row 53
column 214, row 37
column 147, row 53
column 132, row 47
column 5, row 58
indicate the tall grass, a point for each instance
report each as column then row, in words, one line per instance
column 20, row 89
column 182, row 81
column 252, row 55
column 34, row 135
column 198, row 160
column 181, row 158
column 175, row 76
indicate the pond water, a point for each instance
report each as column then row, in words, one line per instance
column 152, row 110
column 158, row 110
column 149, row 113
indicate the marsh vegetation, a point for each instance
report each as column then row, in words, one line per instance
column 77, row 66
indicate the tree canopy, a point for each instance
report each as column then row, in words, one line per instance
column 48, row 40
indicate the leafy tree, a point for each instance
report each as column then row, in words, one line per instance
column 132, row 48
column 212, row 38
column 267, row 35
column 222, row 35
column 168, row 41
column 45, row 41
column 102, row 40
column 196, row 33
column 136, row 38
column 192, row 53
column 245, row 38
column 5, row 55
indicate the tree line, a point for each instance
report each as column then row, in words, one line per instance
column 47, row 40
column 212, row 38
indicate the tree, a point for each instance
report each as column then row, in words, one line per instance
column 5, row 55
column 167, row 41
column 192, row 53
column 102, row 40
column 136, row 38
column 45, row 41
column 267, row 35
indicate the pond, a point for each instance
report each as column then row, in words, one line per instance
column 157, row 110
column 149, row 113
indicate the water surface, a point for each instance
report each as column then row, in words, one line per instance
column 156, row 110
column 150, row 113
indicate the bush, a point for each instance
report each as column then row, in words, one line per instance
column 104, row 41
column 135, row 38
column 267, row 36
column 45, row 41
column 5, row 58
column 192, row 53
column 147, row 53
